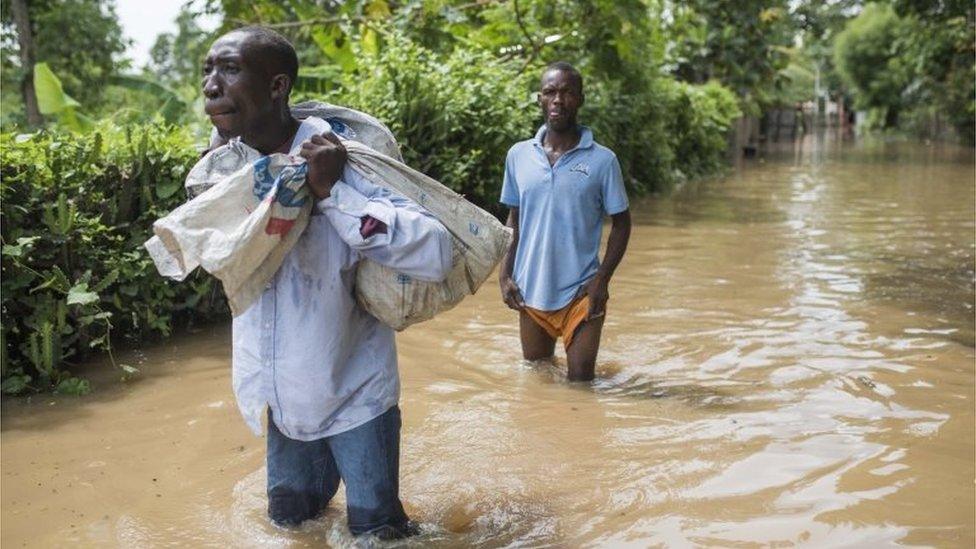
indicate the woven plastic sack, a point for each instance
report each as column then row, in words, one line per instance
column 240, row 229
column 479, row 240
column 351, row 124
column 346, row 123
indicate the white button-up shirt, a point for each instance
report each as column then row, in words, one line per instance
column 305, row 348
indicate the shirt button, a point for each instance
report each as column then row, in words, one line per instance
column 267, row 324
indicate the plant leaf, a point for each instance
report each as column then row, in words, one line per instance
column 166, row 188
column 73, row 386
column 18, row 249
column 79, row 295
column 15, row 384
column 51, row 98
column 106, row 281
column 171, row 103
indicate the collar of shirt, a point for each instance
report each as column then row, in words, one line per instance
column 585, row 142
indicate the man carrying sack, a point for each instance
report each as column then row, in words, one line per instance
column 324, row 367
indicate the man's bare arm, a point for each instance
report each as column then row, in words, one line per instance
column 598, row 287
column 511, row 294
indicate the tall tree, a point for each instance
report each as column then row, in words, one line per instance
column 870, row 60
column 177, row 57
column 742, row 43
column 81, row 40
column 940, row 50
column 25, row 41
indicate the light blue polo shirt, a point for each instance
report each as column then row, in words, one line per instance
column 561, row 210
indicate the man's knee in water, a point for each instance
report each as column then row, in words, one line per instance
column 288, row 507
column 581, row 372
column 535, row 354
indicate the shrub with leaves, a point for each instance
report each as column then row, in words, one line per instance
column 665, row 134
column 633, row 126
column 455, row 115
column 697, row 126
column 76, row 209
column 75, row 212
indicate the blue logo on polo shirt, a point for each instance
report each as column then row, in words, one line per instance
column 581, row 168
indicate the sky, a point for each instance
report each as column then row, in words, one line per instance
column 143, row 20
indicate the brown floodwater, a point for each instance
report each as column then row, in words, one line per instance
column 788, row 360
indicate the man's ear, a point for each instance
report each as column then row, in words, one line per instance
column 582, row 98
column 280, row 86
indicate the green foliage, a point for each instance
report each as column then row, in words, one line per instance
column 334, row 33
column 916, row 58
column 940, row 51
column 81, row 41
column 699, row 118
column 457, row 114
column 77, row 208
column 741, row 43
column 177, row 57
column 172, row 105
column 670, row 133
column 75, row 212
column 454, row 115
column 796, row 83
column 634, row 126
column 51, row 99
column 868, row 60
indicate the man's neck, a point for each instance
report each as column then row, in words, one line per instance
column 561, row 140
column 274, row 135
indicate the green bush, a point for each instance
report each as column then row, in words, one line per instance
column 870, row 61
column 76, row 209
column 699, row 119
column 455, row 115
column 75, row 212
column 669, row 133
column 633, row 126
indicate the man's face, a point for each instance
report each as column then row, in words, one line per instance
column 560, row 99
column 236, row 89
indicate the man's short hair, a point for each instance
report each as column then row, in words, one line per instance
column 276, row 51
column 563, row 66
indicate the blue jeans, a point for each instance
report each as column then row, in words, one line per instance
column 304, row 475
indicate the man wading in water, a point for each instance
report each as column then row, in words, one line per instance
column 558, row 186
column 325, row 369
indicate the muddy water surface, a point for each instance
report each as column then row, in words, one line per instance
column 788, row 360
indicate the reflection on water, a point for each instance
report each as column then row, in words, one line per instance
column 788, row 359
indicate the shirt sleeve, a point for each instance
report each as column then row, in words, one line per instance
column 510, row 191
column 414, row 243
column 614, row 192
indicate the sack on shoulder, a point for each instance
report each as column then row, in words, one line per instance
column 478, row 239
column 241, row 228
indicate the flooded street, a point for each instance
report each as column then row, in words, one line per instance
column 788, row 360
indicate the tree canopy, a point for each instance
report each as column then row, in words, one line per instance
column 81, row 41
column 891, row 57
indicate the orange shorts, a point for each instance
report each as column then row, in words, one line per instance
column 562, row 322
